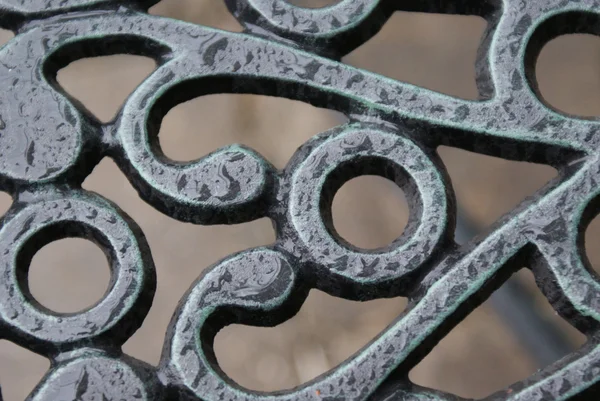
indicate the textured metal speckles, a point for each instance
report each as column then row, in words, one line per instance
column 48, row 144
column 251, row 287
column 362, row 150
column 116, row 316
column 329, row 27
column 41, row 133
column 230, row 185
column 13, row 13
column 91, row 375
column 556, row 228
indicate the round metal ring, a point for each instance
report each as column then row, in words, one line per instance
column 116, row 316
column 356, row 151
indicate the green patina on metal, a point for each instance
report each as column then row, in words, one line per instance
column 49, row 144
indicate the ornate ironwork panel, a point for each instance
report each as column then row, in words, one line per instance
column 48, row 145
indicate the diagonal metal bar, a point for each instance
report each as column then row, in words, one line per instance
column 516, row 306
column 49, row 144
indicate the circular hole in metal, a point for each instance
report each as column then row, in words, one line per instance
column 238, row 118
column 370, row 211
column 567, row 74
column 325, row 332
column 68, row 275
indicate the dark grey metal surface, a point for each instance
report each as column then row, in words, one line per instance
column 514, row 303
column 49, row 144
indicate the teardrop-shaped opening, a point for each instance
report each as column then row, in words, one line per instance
column 325, row 332
column 101, row 84
column 275, row 127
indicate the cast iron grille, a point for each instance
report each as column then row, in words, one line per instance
column 48, row 145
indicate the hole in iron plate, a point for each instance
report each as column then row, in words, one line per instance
column 69, row 275
column 370, row 211
column 103, row 83
column 5, row 203
column 274, row 127
column 20, row 371
column 434, row 51
column 180, row 252
column 313, row 3
column 325, row 332
column 482, row 354
column 567, row 74
column 204, row 12
column 5, row 36
column 488, row 187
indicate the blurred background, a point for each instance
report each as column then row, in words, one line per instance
column 481, row 355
